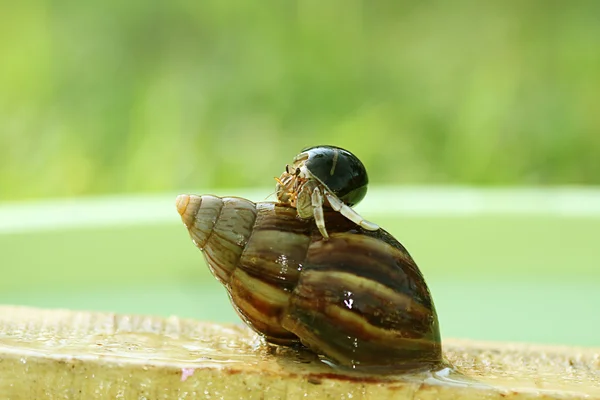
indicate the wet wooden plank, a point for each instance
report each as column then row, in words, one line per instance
column 62, row 354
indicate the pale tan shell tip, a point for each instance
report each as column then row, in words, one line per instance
column 182, row 202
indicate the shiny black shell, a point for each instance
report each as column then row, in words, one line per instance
column 340, row 171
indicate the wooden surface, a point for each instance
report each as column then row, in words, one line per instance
column 60, row 354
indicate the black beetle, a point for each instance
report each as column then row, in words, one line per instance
column 325, row 175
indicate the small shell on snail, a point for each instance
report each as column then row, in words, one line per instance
column 358, row 299
column 325, row 176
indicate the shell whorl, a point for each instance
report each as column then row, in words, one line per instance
column 359, row 299
column 220, row 227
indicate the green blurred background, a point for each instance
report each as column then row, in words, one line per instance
column 133, row 97
column 113, row 96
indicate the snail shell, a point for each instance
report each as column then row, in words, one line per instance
column 358, row 299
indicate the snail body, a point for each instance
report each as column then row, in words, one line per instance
column 357, row 299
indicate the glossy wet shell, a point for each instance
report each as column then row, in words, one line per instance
column 358, row 299
column 340, row 171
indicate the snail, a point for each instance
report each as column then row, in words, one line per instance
column 358, row 300
column 325, row 175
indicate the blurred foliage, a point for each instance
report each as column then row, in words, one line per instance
column 121, row 96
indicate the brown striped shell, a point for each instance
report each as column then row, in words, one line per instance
column 358, row 299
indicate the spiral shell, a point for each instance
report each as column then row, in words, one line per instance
column 358, row 299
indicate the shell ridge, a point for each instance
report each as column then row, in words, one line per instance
column 210, row 234
column 252, row 230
